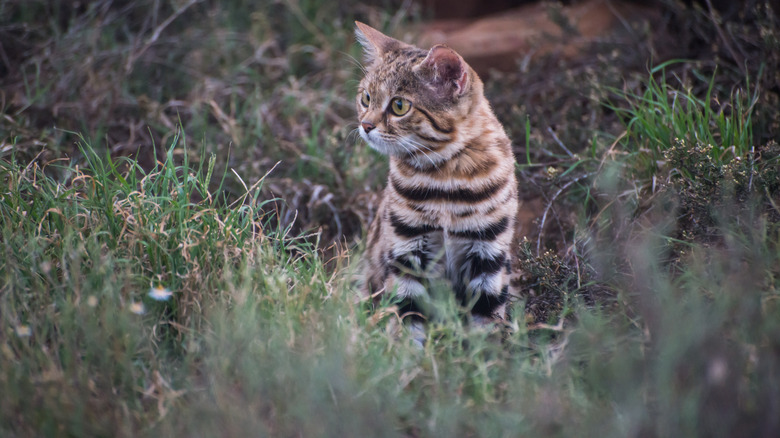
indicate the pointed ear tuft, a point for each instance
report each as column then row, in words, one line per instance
column 375, row 43
column 446, row 70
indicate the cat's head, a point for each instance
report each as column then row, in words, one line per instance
column 411, row 101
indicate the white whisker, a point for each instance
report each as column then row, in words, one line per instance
column 355, row 61
column 411, row 143
column 426, row 147
column 353, row 135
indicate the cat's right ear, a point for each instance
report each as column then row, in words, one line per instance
column 446, row 71
column 375, row 43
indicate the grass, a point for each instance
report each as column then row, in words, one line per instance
column 260, row 338
column 657, row 315
column 663, row 116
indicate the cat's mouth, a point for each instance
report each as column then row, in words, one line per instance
column 383, row 145
column 399, row 147
column 414, row 152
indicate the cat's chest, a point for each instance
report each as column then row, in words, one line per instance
column 446, row 215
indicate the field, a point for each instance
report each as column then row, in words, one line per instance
column 183, row 201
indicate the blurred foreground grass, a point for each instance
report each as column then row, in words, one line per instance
column 260, row 338
column 174, row 295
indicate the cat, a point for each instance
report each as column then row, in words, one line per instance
column 450, row 205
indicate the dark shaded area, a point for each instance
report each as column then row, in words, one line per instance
column 468, row 9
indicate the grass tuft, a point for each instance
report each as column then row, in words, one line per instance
column 664, row 116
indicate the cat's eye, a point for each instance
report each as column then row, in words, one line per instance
column 365, row 99
column 400, row 106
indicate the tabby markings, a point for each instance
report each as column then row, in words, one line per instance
column 465, row 195
column 430, row 139
column 488, row 233
column 486, row 304
column 489, row 266
column 403, row 229
column 434, row 123
column 447, row 170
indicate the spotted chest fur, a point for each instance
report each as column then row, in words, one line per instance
column 449, row 208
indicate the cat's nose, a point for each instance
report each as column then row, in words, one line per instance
column 367, row 126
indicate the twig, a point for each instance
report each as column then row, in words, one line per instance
column 620, row 17
column 771, row 201
column 156, row 35
column 577, row 264
column 542, row 326
column 254, row 186
column 737, row 57
column 559, row 142
column 611, row 150
column 752, row 163
column 550, row 204
column 6, row 61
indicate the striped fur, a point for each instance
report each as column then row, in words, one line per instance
column 450, row 205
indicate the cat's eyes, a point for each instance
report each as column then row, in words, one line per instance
column 400, row 106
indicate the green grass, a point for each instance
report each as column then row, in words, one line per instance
column 659, row 316
column 664, row 116
column 260, row 338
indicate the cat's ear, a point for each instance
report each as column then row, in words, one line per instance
column 375, row 43
column 446, row 70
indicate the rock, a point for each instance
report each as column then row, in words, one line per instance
column 498, row 40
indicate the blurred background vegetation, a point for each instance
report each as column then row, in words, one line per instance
column 206, row 149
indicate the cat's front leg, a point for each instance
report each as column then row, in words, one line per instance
column 481, row 268
column 411, row 262
column 487, row 280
